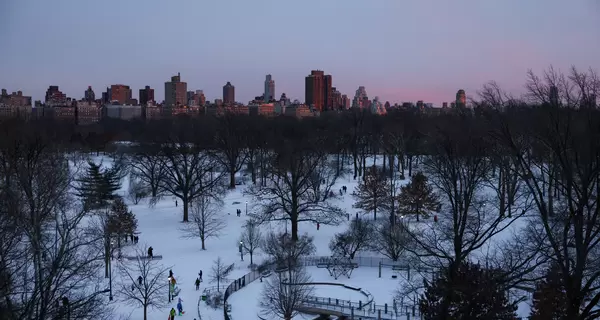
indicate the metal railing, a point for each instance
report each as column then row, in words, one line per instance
column 373, row 262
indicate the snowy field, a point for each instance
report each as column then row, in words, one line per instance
column 365, row 278
column 160, row 227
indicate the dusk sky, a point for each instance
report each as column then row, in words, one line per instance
column 400, row 50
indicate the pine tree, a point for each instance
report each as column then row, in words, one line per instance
column 549, row 298
column 417, row 197
column 121, row 221
column 98, row 186
column 371, row 193
column 473, row 293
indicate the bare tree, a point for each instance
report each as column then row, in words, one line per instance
column 284, row 294
column 251, row 238
column 323, row 180
column 458, row 169
column 286, row 252
column 359, row 236
column 563, row 178
column 146, row 165
column 136, row 191
column 150, row 293
column 288, row 193
column 230, row 142
column 494, row 97
column 219, row 272
column 191, row 172
column 391, row 240
column 54, row 259
column 207, row 219
column 371, row 192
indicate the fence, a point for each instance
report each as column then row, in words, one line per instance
column 373, row 262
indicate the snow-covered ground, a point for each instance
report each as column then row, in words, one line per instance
column 160, row 226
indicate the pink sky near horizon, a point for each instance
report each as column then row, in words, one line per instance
column 399, row 50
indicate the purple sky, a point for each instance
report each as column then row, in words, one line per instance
column 401, row 50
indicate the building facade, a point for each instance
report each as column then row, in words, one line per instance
column 118, row 93
column 269, row 89
column 461, row 99
column 314, row 89
column 228, row 93
column 146, row 96
column 175, row 92
column 55, row 96
column 123, row 112
column 89, row 95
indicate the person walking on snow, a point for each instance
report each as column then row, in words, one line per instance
column 180, row 307
column 197, row 284
column 172, row 314
column 200, row 275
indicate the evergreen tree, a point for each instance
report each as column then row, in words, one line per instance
column 98, row 186
column 549, row 298
column 417, row 197
column 121, row 221
column 371, row 193
column 473, row 294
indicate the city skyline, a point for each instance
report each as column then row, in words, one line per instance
column 399, row 52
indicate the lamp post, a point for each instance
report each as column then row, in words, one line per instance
column 169, row 279
column 241, row 251
column 246, row 207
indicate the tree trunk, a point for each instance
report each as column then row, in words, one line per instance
column 145, row 312
column 202, row 239
column 375, row 209
column 106, row 261
column 355, row 161
column 294, row 223
column 185, row 202
column 231, row 178
column 251, row 254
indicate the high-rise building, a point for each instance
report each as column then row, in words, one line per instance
column 15, row 99
column 318, row 90
column 146, row 96
column 55, row 96
column 335, row 99
column 118, row 93
column 201, row 97
column 228, row 93
column 89, row 95
column 346, row 103
column 461, row 99
column 175, row 92
column 328, row 97
column 269, row 88
column 361, row 100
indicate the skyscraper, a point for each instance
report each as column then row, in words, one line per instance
column 269, row 88
column 228, row 93
column 461, row 99
column 360, row 98
column 146, row 95
column 175, row 92
column 89, row 95
column 54, row 95
column 317, row 90
column 119, row 93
